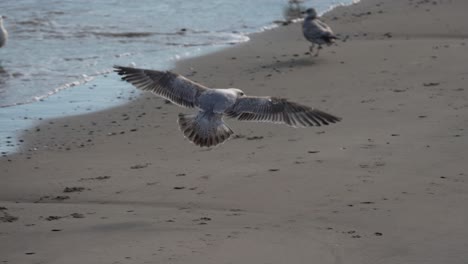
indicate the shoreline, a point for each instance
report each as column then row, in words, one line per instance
column 387, row 184
column 73, row 97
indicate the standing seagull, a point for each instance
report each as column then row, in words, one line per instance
column 3, row 33
column 207, row 128
column 316, row 31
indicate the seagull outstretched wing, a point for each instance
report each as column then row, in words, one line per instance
column 279, row 110
column 171, row 86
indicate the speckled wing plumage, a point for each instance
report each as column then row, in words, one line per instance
column 324, row 26
column 278, row 110
column 171, row 86
column 315, row 30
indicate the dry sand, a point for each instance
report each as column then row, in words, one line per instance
column 388, row 184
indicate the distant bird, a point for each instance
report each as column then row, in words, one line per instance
column 293, row 11
column 3, row 33
column 316, row 31
column 207, row 128
column 295, row 2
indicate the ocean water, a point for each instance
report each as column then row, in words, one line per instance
column 58, row 48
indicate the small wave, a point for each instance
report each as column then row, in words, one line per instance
column 268, row 27
column 56, row 13
column 85, row 33
column 122, row 34
column 125, row 54
column 180, row 32
column 34, row 22
column 81, row 59
column 204, row 44
column 210, row 38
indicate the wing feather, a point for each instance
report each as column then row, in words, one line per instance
column 279, row 110
column 325, row 28
column 317, row 30
column 171, row 86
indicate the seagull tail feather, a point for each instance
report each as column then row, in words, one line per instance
column 204, row 129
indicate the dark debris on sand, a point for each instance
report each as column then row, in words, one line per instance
column 139, row 166
column 73, row 189
column 6, row 217
column 99, row 178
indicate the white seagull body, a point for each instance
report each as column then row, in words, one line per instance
column 3, row 33
column 316, row 31
column 207, row 128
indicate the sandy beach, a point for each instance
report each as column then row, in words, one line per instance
column 388, row 184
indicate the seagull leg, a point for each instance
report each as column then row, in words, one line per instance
column 311, row 48
column 318, row 49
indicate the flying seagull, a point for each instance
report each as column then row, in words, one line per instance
column 3, row 33
column 206, row 128
column 316, row 31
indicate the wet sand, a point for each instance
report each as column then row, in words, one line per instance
column 388, row 184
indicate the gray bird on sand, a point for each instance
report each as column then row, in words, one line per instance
column 206, row 128
column 3, row 33
column 316, row 31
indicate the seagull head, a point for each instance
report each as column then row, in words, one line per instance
column 238, row 92
column 311, row 13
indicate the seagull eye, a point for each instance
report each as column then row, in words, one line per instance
column 242, row 94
